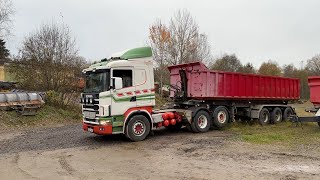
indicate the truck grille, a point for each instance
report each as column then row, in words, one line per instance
column 91, row 120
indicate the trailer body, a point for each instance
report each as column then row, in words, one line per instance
column 205, row 84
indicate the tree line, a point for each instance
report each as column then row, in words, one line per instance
column 180, row 41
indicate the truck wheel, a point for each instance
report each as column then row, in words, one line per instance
column 201, row 122
column 220, row 117
column 264, row 117
column 276, row 115
column 138, row 128
column 287, row 113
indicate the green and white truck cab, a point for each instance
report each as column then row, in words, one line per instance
column 118, row 89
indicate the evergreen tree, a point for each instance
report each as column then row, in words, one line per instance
column 4, row 52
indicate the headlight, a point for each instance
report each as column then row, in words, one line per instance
column 105, row 122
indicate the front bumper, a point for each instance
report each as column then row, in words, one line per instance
column 98, row 129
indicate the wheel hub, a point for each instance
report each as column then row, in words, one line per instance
column 202, row 121
column 222, row 117
column 138, row 128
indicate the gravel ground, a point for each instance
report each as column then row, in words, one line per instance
column 69, row 153
column 69, row 136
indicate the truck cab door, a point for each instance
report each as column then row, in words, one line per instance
column 123, row 98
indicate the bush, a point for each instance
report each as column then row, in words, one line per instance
column 64, row 100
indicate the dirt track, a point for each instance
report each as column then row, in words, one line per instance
column 68, row 153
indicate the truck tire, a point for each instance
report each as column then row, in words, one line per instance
column 276, row 115
column 287, row 113
column 220, row 117
column 201, row 122
column 264, row 117
column 138, row 128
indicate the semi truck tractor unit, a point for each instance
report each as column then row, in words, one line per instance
column 119, row 97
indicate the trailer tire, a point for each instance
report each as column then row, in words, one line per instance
column 276, row 115
column 201, row 122
column 264, row 117
column 287, row 113
column 138, row 128
column 220, row 117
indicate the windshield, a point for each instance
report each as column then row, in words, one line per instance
column 97, row 81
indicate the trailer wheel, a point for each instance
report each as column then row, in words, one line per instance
column 138, row 128
column 201, row 122
column 287, row 113
column 276, row 115
column 264, row 117
column 220, row 117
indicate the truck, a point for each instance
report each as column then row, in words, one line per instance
column 119, row 97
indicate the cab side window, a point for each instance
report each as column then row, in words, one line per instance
column 126, row 76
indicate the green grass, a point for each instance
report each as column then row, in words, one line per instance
column 46, row 116
column 284, row 133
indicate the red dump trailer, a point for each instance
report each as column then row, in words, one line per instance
column 206, row 84
column 228, row 95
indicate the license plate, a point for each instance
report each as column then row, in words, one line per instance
column 90, row 114
column 90, row 129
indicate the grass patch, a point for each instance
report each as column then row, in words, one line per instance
column 46, row 116
column 285, row 133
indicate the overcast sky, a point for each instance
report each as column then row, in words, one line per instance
column 287, row 31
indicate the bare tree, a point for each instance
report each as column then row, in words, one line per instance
column 186, row 41
column 313, row 65
column 203, row 52
column 177, row 43
column 6, row 12
column 180, row 41
column 49, row 61
column 159, row 41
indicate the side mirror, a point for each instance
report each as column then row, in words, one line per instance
column 117, row 82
